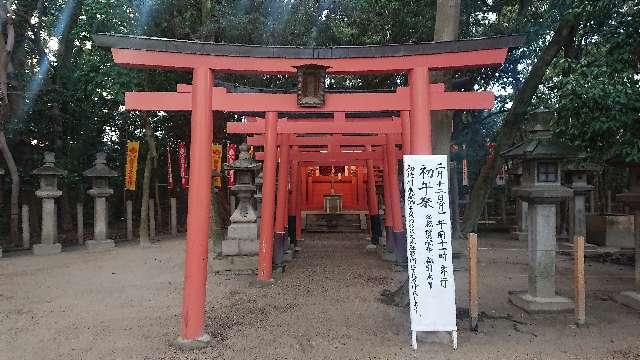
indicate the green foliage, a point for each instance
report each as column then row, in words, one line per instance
column 598, row 90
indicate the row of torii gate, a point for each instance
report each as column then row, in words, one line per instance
column 347, row 137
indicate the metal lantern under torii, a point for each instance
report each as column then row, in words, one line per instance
column 48, row 192
column 242, row 235
column 100, row 175
column 541, row 188
column 311, row 85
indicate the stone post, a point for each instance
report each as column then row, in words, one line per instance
column 80, row 221
column 100, row 174
column 632, row 199
column 48, row 192
column 580, row 192
column 1, row 189
column 174, row 217
column 258, row 196
column 129, row 210
column 152, row 219
column 26, row 229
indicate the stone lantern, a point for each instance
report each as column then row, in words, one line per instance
column 100, row 190
column 311, row 85
column 540, row 187
column 1, row 178
column 579, row 171
column 48, row 192
column 242, row 235
column 522, row 208
column 631, row 198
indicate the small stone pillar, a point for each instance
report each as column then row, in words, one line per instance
column 216, row 231
column 129, row 210
column 541, row 189
column 48, row 192
column 632, row 200
column 258, row 200
column 1, row 176
column 242, row 235
column 80, row 221
column 522, row 208
column 174, row 217
column 152, row 219
column 26, row 229
column 581, row 190
column 100, row 175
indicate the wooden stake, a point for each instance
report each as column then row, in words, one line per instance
column 578, row 244
column 473, row 280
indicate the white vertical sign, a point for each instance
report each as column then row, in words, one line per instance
column 428, row 223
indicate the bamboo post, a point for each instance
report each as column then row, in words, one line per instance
column 473, row 280
column 578, row 245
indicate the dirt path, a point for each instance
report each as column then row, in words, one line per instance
column 125, row 304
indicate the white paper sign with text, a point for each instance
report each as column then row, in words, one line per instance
column 428, row 224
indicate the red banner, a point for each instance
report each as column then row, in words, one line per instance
column 232, row 150
column 182, row 163
column 169, row 169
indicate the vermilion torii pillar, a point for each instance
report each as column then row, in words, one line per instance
column 197, row 248
column 372, row 197
column 202, row 97
column 282, row 200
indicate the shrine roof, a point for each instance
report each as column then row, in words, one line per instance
column 339, row 52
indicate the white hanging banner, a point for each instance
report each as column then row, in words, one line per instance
column 428, row 224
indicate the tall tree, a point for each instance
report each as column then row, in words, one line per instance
column 514, row 120
column 7, row 40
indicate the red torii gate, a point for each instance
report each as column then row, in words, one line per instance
column 204, row 59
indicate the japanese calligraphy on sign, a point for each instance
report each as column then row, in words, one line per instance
column 428, row 223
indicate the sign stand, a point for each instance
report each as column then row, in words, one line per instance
column 430, row 266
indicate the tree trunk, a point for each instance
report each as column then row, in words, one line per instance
column 15, row 189
column 146, row 182
column 6, row 43
column 446, row 29
column 514, row 121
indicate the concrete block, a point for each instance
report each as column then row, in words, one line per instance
column 630, row 299
column 46, row 249
column 230, row 247
column 199, row 343
column 520, row 236
column 538, row 305
column 234, row 263
column 94, row 245
column 288, row 256
column 249, row 247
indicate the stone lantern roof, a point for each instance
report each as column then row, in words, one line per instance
column 244, row 162
column 540, row 144
column 100, row 168
column 49, row 168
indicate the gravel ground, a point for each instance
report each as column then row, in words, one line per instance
column 125, row 304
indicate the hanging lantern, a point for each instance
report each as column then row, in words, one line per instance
column 311, row 85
